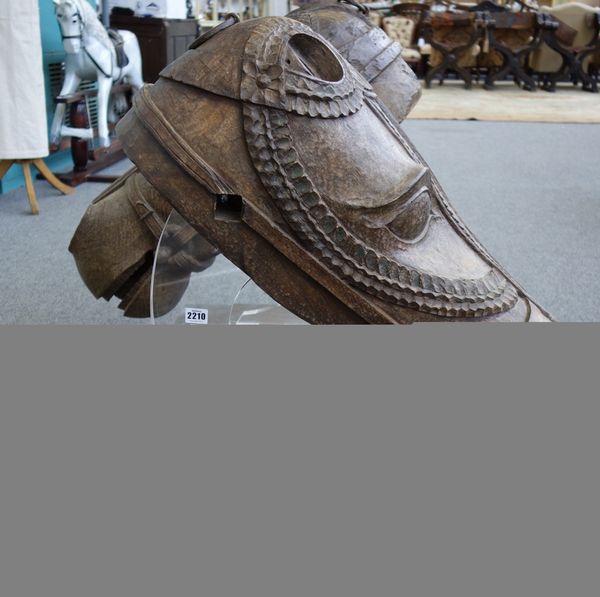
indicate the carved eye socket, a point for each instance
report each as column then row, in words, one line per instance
column 411, row 223
column 407, row 217
column 314, row 57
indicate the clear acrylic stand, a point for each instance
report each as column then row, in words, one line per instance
column 222, row 294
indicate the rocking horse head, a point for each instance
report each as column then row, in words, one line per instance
column 77, row 20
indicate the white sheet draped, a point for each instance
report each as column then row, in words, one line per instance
column 23, row 125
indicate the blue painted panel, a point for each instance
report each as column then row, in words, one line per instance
column 52, row 52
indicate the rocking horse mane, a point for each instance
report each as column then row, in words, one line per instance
column 91, row 23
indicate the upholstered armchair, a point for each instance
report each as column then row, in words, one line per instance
column 375, row 17
column 571, row 49
column 404, row 27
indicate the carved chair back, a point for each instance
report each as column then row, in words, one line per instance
column 404, row 26
column 513, row 30
column 453, row 30
column 581, row 21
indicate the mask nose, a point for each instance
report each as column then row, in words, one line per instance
column 413, row 173
column 411, row 223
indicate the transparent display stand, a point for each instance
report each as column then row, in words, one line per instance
column 221, row 294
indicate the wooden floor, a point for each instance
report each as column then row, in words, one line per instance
column 507, row 103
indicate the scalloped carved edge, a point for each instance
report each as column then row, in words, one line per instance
column 270, row 145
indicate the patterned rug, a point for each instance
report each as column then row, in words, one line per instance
column 507, row 103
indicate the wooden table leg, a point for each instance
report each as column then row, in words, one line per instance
column 29, row 186
column 47, row 174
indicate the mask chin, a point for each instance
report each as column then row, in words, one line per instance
column 114, row 246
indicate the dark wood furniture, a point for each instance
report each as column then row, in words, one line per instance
column 453, row 35
column 507, row 38
column 161, row 40
column 514, row 36
column 486, row 6
column 573, row 57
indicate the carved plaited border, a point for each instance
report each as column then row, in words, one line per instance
column 271, row 148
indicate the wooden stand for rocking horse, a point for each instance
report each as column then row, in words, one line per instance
column 86, row 162
column 44, row 173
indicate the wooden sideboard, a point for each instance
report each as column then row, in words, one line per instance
column 161, row 40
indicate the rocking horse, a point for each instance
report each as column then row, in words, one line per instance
column 93, row 53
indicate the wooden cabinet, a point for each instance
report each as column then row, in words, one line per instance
column 161, row 40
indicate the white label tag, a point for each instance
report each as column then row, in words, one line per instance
column 196, row 316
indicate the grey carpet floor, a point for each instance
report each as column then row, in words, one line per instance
column 531, row 193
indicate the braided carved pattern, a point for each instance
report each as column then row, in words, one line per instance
column 278, row 165
column 268, row 81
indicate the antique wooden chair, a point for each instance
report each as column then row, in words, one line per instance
column 511, row 37
column 570, row 47
column 488, row 59
column 404, row 26
column 454, row 38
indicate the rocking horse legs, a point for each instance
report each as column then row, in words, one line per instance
column 70, row 84
column 104, row 87
column 79, row 146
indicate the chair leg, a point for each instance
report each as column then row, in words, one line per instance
column 47, row 174
column 464, row 74
column 440, row 70
column 4, row 166
column 29, row 186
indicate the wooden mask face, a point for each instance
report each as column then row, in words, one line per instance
column 333, row 211
column 269, row 112
column 348, row 183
